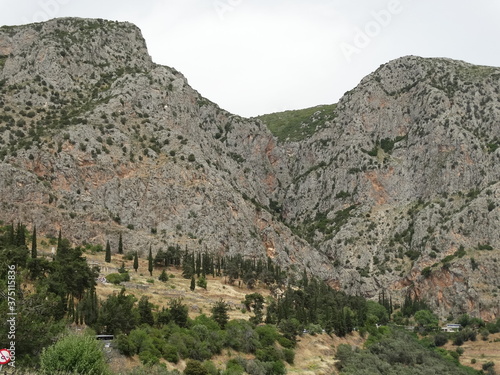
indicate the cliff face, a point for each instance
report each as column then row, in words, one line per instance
column 98, row 140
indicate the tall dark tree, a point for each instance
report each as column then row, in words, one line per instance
column 20, row 235
column 11, row 235
column 89, row 307
column 70, row 274
column 198, row 264
column 59, row 242
column 193, row 283
column 178, row 312
column 187, row 266
column 33, row 244
column 145, row 311
column 117, row 314
column 219, row 313
column 120, row 245
column 150, row 262
column 108, row 252
column 255, row 301
column 136, row 262
column 305, row 280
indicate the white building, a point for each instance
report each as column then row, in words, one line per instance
column 451, row 328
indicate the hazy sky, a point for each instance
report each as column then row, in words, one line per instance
column 260, row 56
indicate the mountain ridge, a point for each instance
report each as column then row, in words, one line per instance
column 98, row 140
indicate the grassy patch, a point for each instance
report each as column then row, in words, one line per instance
column 298, row 124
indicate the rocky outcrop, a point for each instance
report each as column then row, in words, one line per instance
column 397, row 191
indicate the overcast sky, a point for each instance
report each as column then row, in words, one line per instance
column 259, row 56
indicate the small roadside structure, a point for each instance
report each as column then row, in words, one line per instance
column 451, row 328
column 106, row 339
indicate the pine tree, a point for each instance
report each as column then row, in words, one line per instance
column 202, row 282
column 33, row 244
column 108, row 252
column 120, row 245
column 219, row 313
column 150, row 262
column 145, row 311
column 193, row 283
column 136, row 262
column 163, row 277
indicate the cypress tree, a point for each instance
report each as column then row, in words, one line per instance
column 120, row 245
column 193, row 283
column 20, row 240
column 108, row 252
column 59, row 240
column 187, row 266
column 305, row 280
column 71, row 310
column 198, row 264
column 150, row 262
column 136, row 262
column 33, row 244
column 11, row 238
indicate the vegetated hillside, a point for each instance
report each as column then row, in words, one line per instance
column 395, row 188
column 299, row 124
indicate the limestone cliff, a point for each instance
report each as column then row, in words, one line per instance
column 397, row 189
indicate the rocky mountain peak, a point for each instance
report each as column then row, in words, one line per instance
column 396, row 188
column 71, row 51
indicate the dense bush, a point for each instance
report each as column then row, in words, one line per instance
column 397, row 353
column 117, row 278
column 440, row 339
column 74, row 354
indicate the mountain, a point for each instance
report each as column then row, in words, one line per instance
column 395, row 188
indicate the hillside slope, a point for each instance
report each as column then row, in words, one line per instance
column 396, row 189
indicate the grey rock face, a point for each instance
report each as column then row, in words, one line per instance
column 98, row 140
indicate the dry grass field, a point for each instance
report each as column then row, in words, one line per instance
column 480, row 350
column 199, row 301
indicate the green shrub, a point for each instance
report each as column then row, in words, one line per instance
column 269, row 354
column 289, row 355
column 129, row 255
column 426, row 272
column 195, row 368
column 125, row 345
column 488, row 365
column 163, row 276
column 170, row 353
column 210, row 367
column 286, row 343
column 278, row 368
column 234, row 367
column 440, row 339
column 74, row 354
column 267, row 335
column 117, row 278
column 148, row 358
